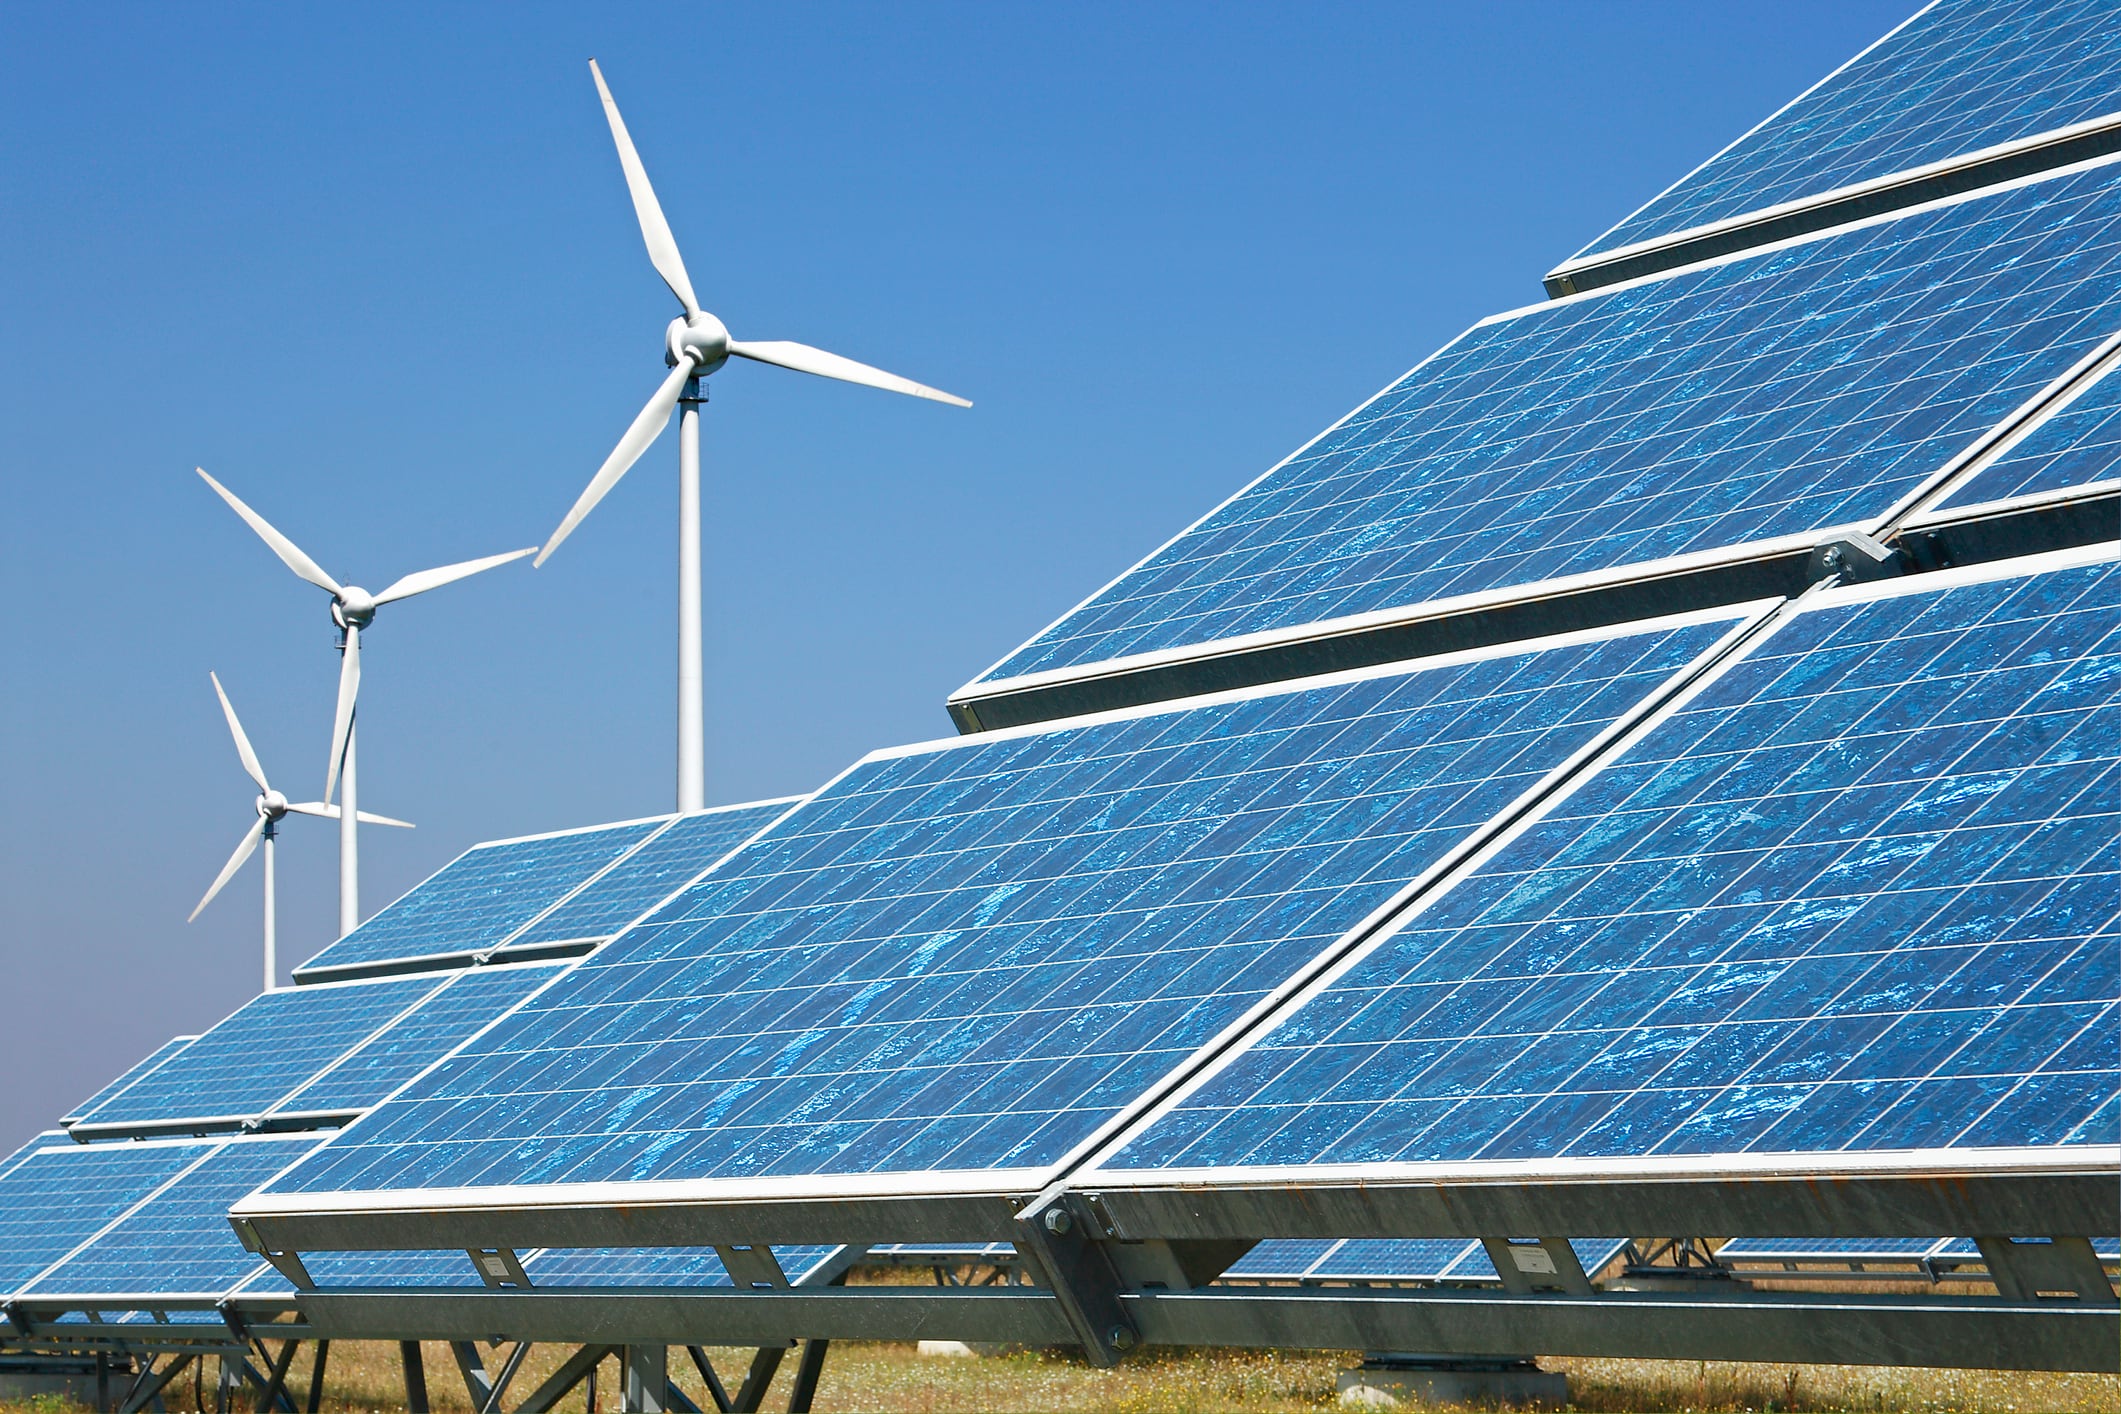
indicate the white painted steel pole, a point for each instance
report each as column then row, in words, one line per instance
column 272, row 962
column 692, row 725
column 349, row 818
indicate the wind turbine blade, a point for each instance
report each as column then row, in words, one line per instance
column 235, row 729
column 290, row 554
column 367, row 819
column 805, row 359
column 319, row 808
column 235, row 862
column 342, row 718
column 646, row 428
column 655, row 231
column 425, row 580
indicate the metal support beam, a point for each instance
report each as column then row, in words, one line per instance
column 647, row 1379
column 275, row 1391
column 572, row 1371
column 415, row 1376
column 807, row 1371
column 502, row 1381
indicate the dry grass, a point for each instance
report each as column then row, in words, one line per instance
column 893, row 1379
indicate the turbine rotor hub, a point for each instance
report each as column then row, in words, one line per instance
column 355, row 606
column 272, row 805
column 700, row 337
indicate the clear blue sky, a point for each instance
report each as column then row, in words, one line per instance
column 374, row 267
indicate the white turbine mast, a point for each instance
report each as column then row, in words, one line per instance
column 352, row 609
column 694, row 346
column 272, row 808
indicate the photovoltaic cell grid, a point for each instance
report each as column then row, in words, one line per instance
column 482, row 896
column 1392, row 1259
column 160, row 1054
column 179, row 1241
column 971, row 955
column 269, row 1046
column 1872, row 1249
column 1963, row 76
column 57, row 1198
column 1780, row 394
column 1861, row 893
column 387, row 1060
column 656, row 1266
column 2078, row 446
column 650, row 874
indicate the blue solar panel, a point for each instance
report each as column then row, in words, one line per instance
column 179, row 1241
column 347, row 1269
column 656, row 1266
column 1860, row 893
column 651, row 873
column 1392, row 1259
column 160, row 1054
column 417, row 1039
column 972, row 954
column 1281, row 1259
column 1718, row 409
column 483, row 895
column 269, row 1046
column 1829, row 1249
column 57, row 1198
column 1963, row 76
column 2078, row 446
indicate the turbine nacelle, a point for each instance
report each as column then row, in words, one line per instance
column 353, row 606
column 699, row 338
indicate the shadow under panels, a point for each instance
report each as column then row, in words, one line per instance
column 1695, row 435
column 961, row 964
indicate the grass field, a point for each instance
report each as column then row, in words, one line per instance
column 894, row 1379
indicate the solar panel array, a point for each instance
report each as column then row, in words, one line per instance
column 973, row 954
column 1960, row 77
column 1828, row 874
column 1710, row 413
column 1849, row 896
column 540, row 891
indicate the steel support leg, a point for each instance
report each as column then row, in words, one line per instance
column 578, row 1367
column 275, row 1390
column 806, row 1372
column 764, row 1366
column 316, row 1377
column 647, row 1379
column 415, row 1377
column 476, row 1383
column 152, row 1382
column 715, row 1391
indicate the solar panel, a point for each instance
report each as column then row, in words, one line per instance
column 972, row 954
column 1717, row 413
column 417, row 1039
column 160, row 1054
column 58, row 1197
column 480, row 897
column 266, row 1048
column 177, row 1243
column 1961, row 77
column 1859, row 893
column 650, row 874
column 330, row 1270
column 1369, row 1259
column 2078, row 446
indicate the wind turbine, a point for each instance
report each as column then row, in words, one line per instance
column 352, row 609
column 695, row 345
column 272, row 808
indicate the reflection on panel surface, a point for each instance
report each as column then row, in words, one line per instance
column 1860, row 893
column 1775, row 395
column 971, row 955
column 1963, row 76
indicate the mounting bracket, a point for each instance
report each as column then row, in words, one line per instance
column 1062, row 1247
column 2029, row 1269
column 1542, row 1264
column 1854, row 558
column 498, row 1267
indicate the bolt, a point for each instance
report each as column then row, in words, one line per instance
column 1120, row 1338
column 1058, row 1221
